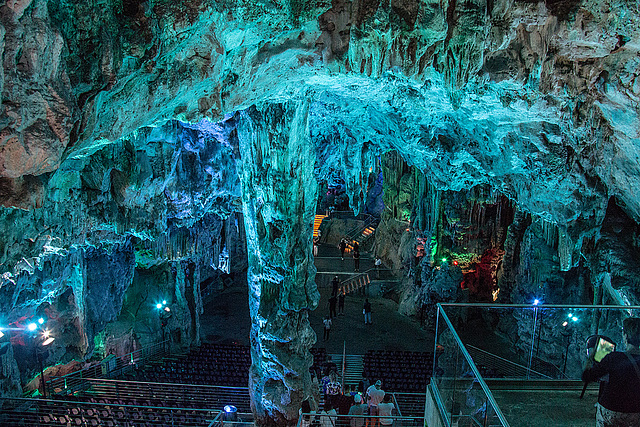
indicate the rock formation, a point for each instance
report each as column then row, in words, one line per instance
column 133, row 133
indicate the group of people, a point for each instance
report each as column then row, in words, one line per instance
column 337, row 299
column 370, row 406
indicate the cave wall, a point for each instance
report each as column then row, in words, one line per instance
column 118, row 130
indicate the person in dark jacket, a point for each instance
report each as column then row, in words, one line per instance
column 619, row 399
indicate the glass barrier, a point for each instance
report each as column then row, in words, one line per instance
column 460, row 392
column 495, row 363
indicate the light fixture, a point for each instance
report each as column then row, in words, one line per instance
column 164, row 302
column 32, row 327
column 1, row 334
column 444, row 260
column 536, row 301
column 565, row 323
column 158, row 306
column 574, row 318
column 48, row 341
column 41, row 320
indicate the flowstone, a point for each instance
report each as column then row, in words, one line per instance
column 279, row 193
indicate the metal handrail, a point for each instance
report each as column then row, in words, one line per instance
column 539, row 306
column 370, row 219
column 472, row 365
column 508, row 362
column 122, row 364
column 47, row 412
column 204, row 395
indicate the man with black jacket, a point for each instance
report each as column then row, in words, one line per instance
column 619, row 399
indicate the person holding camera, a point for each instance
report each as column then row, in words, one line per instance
column 619, row 399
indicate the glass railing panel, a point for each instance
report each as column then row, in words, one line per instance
column 462, row 395
column 530, row 356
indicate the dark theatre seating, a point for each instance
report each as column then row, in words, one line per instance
column 319, row 360
column 400, row 371
column 210, row 364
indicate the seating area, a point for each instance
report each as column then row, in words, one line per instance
column 400, row 371
column 223, row 365
column 23, row 412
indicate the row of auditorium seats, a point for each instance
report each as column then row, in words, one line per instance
column 224, row 365
column 70, row 414
column 400, row 371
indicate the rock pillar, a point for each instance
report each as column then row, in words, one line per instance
column 279, row 194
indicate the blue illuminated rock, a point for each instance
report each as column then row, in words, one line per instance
column 118, row 129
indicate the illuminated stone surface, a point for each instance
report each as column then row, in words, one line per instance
column 141, row 125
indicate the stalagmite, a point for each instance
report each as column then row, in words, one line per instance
column 279, row 193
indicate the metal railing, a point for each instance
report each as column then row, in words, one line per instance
column 110, row 367
column 183, row 395
column 43, row 412
column 307, row 420
column 232, row 419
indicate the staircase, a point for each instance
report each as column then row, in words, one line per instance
column 352, row 369
column 316, row 224
column 355, row 283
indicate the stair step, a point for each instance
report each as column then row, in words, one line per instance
column 316, row 224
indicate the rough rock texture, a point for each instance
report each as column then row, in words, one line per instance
column 279, row 194
column 116, row 131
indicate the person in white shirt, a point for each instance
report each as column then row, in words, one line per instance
column 328, row 416
column 386, row 409
column 375, row 395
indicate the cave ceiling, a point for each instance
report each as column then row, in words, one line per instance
column 537, row 100
column 153, row 118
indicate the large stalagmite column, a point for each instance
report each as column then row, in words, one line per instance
column 279, row 194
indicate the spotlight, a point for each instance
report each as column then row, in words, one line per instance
column 230, row 413
column 164, row 302
column 158, row 306
column 574, row 318
column 565, row 323
column 570, row 315
column 444, row 260
column 1, row 334
column 536, row 301
column 32, row 327
column 41, row 320
column 455, row 262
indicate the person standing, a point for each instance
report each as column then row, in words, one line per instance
column 366, row 310
column 619, row 399
column 343, row 247
column 375, row 395
column 335, row 283
column 328, row 416
column 378, row 263
column 341, row 303
column 356, row 260
column 385, row 409
column 327, row 327
column 358, row 408
column 332, row 306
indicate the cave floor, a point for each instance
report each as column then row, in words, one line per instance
column 226, row 319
